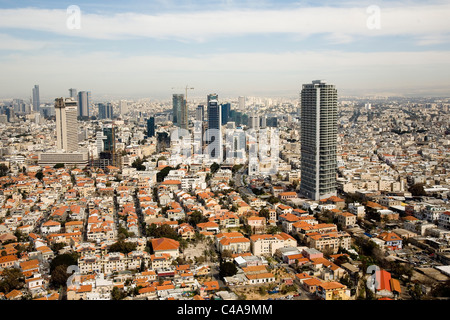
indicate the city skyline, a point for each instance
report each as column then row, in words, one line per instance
column 246, row 49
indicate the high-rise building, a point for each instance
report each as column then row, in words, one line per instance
column 198, row 131
column 241, row 103
column 84, row 103
column 73, row 93
column 100, row 137
column 20, row 107
column 263, row 121
column 214, row 133
column 177, row 108
column 272, row 122
column 109, row 143
column 105, row 111
column 36, row 99
column 66, row 124
column 183, row 120
column 151, row 127
column 200, row 113
column 123, row 106
column 318, row 140
column 226, row 108
column 109, row 111
column 253, row 121
column 235, row 145
column 212, row 96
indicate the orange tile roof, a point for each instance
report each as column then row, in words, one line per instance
column 331, row 285
column 211, row 285
column 395, row 285
column 383, row 277
column 312, row 282
column 162, row 244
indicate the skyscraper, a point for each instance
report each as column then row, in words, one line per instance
column 177, row 108
column 66, row 124
column 109, row 142
column 214, row 135
column 318, row 140
column 123, row 106
column 200, row 113
column 84, row 103
column 36, row 99
column 151, row 127
column 73, row 93
column 226, row 108
column 183, row 120
column 105, row 111
column 253, row 121
column 241, row 102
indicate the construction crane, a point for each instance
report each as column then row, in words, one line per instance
column 186, row 89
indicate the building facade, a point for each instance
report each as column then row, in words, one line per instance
column 318, row 140
column 66, row 124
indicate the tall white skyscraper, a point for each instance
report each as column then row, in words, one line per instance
column 66, row 124
column 36, row 99
column 241, row 103
column 318, row 140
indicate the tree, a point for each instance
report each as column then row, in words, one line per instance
column 138, row 164
column 11, row 279
column 262, row 291
column 59, row 276
column 226, row 254
column 273, row 200
column 197, row 217
column 3, row 170
column 264, row 213
column 273, row 229
column 20, row 236
column 236, row 168
column 57, row 246
column 122, row 247
column 441, row 290
column 227, row 269
column 39, row 175
column 214, row 167
column 64, row 259
column 164, row 231
column 59, row 166
column 117, row 294
column 417, row 190
column 341, row 259
column 163, row 173
column 123, row 233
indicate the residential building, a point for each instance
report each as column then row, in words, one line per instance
column 318, row 140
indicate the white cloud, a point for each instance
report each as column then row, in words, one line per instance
column 418, row 20
column 8, row 42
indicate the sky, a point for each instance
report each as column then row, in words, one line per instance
column 151, row 49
